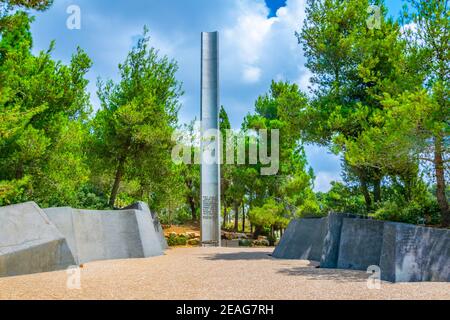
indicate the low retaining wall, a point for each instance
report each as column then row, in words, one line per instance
column 404, row 253
column 30, row 242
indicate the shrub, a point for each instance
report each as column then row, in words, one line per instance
column 245, row 243
column 426, row 212
column 181, row 240
column 176, row 240
column 272, row 239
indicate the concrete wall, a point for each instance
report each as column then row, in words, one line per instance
column 303, row 239
column 230, row 243
column 331, row 241
column 411, row 253
column 404, row 253
column 155, row 220
column 30, row 242
column 63, row 220
column 106, row 235
column 360, row 245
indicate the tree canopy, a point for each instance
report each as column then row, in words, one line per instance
column 379, row 99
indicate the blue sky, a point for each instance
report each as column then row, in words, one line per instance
column 257, row 45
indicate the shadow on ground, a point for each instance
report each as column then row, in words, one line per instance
column 326, row 274
column 264, row 255
column 240, row 256
column 309, row 270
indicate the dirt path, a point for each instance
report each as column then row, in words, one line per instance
column 210, row 273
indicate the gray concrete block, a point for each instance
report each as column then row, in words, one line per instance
column 404, row 253
column 106, row 235
column 411, row 253
column 303, row 239
column 30, row 242
column 155, row 220
column 230, row 243
column 152, row 244
column 62, row 218
column 360, row 245
column 286, row 240
column 331, row 241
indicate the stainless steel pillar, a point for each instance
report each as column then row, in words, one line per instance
column 210, row 170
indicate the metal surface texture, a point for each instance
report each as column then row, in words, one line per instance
column 210, row 146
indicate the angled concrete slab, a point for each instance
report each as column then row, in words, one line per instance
column 360, row 244
column 30, row 242
column 411, row 253
column 147, row 213
column 107, row 235
column 403, row 252
column 303, row 239
column 331, row 241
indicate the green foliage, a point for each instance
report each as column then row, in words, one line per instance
column 90, row 197
column 290, row 190
column 132, row 132
column 271, row 214
column 176, row 216
column 245, row 243
column 190, row 173
column 30, row 4
column 43, row 105
column 414, row 212
column 14, row 191
column 379, row 100
column 177, row 240
column 380, row 97
column 341, row 199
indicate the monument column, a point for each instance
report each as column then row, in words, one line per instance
column 210, row 146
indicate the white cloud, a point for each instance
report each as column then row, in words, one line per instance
column 246, row 38
column 304, row 82
column 251, row 74
column 261, row 47
column 409, row 27
column 324, row 179
column 293, row 13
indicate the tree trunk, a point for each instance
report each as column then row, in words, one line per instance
column 225, row 215
column 365, row 192
column 377, row 191
column 243, row 218
column 116, row 185
column 258, row 231
column 19, row 171
column 440, row 182
column 193, row 208
column 236, row 216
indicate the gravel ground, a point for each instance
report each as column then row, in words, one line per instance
column 212, row 273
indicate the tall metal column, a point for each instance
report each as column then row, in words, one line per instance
column 210, row 147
